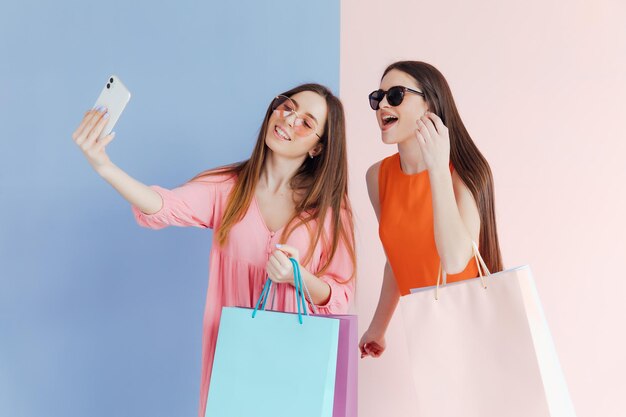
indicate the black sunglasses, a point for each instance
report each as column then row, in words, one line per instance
column 395, row 95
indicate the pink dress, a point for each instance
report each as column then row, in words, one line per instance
column 237, row 270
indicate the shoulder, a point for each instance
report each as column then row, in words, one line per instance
column 373, row 172
column 382, row 167
column 373, row 186
column 371, row 178
column 216, row 180
column 463, row 195
column 467, row 205
column 460, row 188
column 371, row 175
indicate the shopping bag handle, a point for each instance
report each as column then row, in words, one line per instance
column 480, row 263
column 301, row 291
column 262, row 301
column 296, row 267
column 301, row 298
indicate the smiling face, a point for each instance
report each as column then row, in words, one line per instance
column 287, row 136
column 397, row 124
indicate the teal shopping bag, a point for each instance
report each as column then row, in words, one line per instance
column 273, row 364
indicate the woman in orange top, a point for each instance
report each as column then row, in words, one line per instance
column 433, row 198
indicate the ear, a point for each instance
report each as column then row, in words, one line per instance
column 316, row 150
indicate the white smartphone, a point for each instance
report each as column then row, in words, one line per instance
column 114, row 97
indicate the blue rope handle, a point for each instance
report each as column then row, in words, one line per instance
column 262, row 297
column 304, row 291
column 297, row 277
column 299, row 288
column 300, row 293
column 269, row 284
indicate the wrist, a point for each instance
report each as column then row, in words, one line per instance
column 376, row 331
column 440, row 169
column 303, row 274
column 439, row 174
column 105, row 170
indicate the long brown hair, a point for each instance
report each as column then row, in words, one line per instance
column 466, row 159
column 320, row 185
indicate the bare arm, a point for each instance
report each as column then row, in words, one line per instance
column 136, row 193
column 373, row 341
column 94, row 149
column 456, row 216
column 456, row 220
column 387, row 303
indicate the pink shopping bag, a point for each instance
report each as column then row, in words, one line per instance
column 482, row 348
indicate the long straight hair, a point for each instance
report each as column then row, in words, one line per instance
column 320, row 185
column 466, row 159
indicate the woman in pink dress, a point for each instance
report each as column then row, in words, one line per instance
column 290, row 199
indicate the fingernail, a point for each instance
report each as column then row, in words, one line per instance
column 278, row 245
column 99, row 108
column 106, row 116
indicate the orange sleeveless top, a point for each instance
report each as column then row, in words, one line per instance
column 407, row 229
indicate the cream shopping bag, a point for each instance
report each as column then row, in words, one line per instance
column 482, row 347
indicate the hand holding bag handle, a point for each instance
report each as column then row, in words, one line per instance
column 300, row 294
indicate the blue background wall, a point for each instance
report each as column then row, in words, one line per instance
column 99, row 317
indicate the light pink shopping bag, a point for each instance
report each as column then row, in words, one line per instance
column 482, row 347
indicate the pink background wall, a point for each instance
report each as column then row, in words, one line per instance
column 540, row 86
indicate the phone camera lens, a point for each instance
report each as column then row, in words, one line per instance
column 108, row 85
column 111, row 80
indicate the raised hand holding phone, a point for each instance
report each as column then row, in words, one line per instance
column 95, row 131
column 94, row 134
column 113, row 97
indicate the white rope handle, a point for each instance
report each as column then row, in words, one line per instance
column 480, row 263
